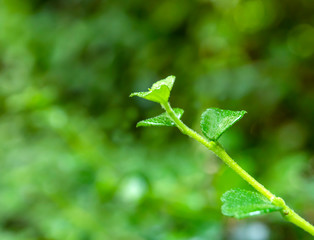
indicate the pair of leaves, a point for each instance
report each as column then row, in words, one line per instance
column 214, row 121
column 160, row 92
column 240, row 203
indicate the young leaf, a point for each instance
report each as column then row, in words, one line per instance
column 160, row 120
column 215, row 121
column 159, row 92
column 240, row 203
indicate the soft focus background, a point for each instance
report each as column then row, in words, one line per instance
column 74, row 167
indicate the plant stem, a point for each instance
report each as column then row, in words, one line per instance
column 215, row 147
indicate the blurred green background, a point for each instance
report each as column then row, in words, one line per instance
column 74, row 167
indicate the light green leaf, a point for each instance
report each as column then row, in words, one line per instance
column 240, row 203
column 169, row 81
column 159, row 92
column 161, row 120
column 215, row 121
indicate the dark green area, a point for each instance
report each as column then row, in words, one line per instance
column 215, row 121
column 73, row 166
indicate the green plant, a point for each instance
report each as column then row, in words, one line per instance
column 237, row 203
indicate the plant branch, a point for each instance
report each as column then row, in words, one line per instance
column 287, row 212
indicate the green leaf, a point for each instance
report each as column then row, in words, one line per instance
column 161, row 120
column 215, row 121
column 241, row 203
column 159, row 92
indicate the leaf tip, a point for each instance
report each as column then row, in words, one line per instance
column 134, row 94
column 243, row 112
column 139, row 124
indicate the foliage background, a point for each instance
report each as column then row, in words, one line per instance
column 73, row 165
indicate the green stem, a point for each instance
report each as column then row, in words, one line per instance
column 287, row 212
